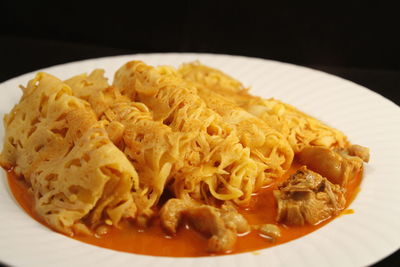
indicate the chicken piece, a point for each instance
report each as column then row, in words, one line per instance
column 220, row 225
column 234, row 219
column 307, row 197
column 208, row 220
column 171, row 214
column 271, row 231
column 338, row 166
column 359, row 151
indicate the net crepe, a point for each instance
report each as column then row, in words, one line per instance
column 267, row 146
column 152, row 147
column 75, row 172
column 299, row 129
column 94, row 153
column 217, row 164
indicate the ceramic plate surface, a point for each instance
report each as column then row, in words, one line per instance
column 359, row 239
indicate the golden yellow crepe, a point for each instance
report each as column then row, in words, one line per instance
column 55, row 142
column 95, row 153
column 300, row 129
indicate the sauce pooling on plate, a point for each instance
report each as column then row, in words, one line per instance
column 153, row 240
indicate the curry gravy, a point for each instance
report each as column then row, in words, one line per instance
column 188, row 243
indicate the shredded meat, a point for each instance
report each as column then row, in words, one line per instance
column 338, row 166
column 307, row 197
column 220, row 225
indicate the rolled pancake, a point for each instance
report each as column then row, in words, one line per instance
column 73, row 169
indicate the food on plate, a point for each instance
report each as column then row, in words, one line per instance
column 55, row 142
column 174, row 156
column 220, row 224
column 338, row 165
column 307, row 197
column 300, row 129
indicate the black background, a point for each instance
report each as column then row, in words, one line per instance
column 355, row 40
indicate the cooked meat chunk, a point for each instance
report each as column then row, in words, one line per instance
column 220, row 225
column 272, row 231
column 359, row 151
column 307, row 197
column 171, row 214
column 208, row 220
column 338, row 166
column 233, row 219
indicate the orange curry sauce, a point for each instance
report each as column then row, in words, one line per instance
column 188, row 243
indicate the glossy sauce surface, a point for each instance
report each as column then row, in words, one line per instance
column 188, row 243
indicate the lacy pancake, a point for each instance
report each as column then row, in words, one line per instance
column 173, row 156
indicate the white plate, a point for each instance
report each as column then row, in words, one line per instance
column 368, row 235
